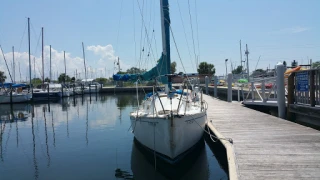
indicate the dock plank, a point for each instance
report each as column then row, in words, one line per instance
column 266, row 147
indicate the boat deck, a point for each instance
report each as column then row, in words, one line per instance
column 264, row 146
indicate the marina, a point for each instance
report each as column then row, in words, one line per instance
column 120, row 90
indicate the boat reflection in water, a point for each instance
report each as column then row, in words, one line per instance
column 193, row 166
column 16, row 112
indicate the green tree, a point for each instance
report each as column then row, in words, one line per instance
column 180, row 73
column 316, row 65
column 238, row 70
column 121, row 72
column 173, row 66
column 47, row 79
column 36, row 81
column 205, row 68
column 63, row 78
column 101, row 80
column 135, row 70
column 2, row 77
column 258, row 72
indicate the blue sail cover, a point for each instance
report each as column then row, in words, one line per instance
column 157, row 71
column 7, row 85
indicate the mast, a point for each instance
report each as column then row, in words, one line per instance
column 50, row 66
column 165, row 25
column 42, row 59
column 29, row 51
column 34, row 67
column 13, row 66
column 20, row 73
column 84, row 62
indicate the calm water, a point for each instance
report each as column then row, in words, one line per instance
column 85, row 139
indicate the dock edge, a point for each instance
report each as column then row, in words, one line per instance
column 232, row 166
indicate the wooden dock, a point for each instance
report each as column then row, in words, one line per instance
column 264, row 146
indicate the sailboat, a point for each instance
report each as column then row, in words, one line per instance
column 54, row 89
column 11, row 92
column 169, row 123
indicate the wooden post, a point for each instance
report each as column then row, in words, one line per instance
column 207, row 84
column 61, row 91
column 312, row 89
column 230, row 87
column 263, row 90
column 281, row 92
column 252, row 91
column 11, row 94
column 82, row 87
column 48, row 93
column 290, row 97
column 73, row 90
column 215, row 86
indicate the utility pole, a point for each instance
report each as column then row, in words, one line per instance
column 240, row 54
column 226, row 67
column 13, row 66
column 247, row 54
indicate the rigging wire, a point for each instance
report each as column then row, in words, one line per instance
column 24, row 31
column 194, row 48
column 174, row 40
column 119, row 26
column 146, row 31
column 141, row 49
column 195, row 2
column 6, row 63
column 185, row 34
column 134, row 35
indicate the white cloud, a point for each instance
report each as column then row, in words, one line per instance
column 293, row 30
column 107, row 56
column 105, row 53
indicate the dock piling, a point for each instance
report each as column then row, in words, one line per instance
column 215, row 86
column 281, row 91
column 48, row 93
column 230, row 87
column 11, row 94
column 207, row 84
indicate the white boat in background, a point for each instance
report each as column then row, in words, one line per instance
column 18, row 95
column 169, row 123
column 90, row 86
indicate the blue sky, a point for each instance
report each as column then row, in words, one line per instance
column 275, row 30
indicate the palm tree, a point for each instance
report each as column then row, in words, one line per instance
column 2, row 77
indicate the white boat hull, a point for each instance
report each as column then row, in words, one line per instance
column 169, row 137
column 16, row 98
